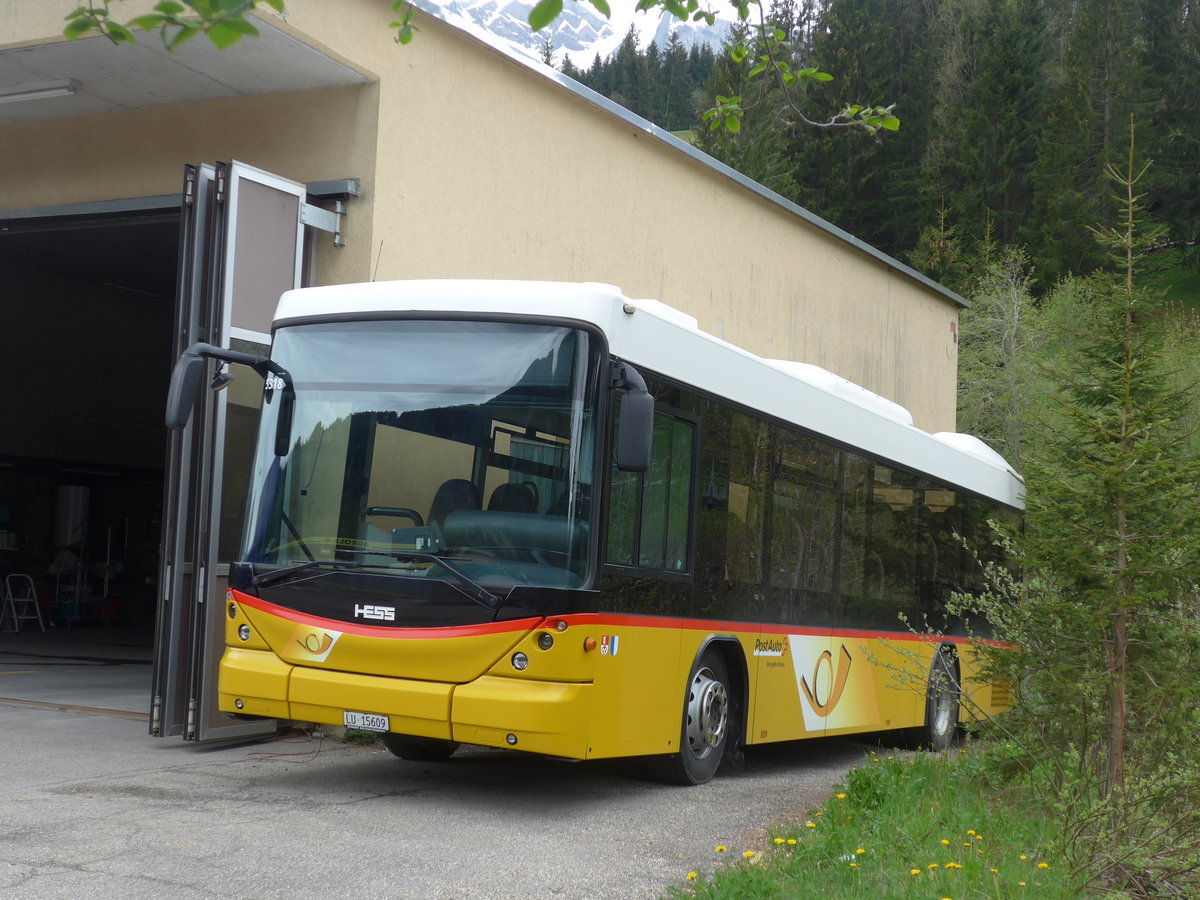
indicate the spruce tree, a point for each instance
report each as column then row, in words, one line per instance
column 1105, row 634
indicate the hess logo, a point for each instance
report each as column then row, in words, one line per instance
column 377, row 613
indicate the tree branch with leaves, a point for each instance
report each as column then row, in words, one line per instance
column 769, row 54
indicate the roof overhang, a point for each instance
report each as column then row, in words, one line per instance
column 103, row 77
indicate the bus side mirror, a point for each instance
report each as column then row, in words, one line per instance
column 185, row 381
column 189, row 370
column 635, row 423
column 635, row 431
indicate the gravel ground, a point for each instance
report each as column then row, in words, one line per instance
column 93, row 807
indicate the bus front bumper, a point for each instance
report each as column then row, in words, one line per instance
column 549, row 717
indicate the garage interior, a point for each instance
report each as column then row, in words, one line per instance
column 88, row 311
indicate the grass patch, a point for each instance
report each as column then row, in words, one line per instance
column 362, row 738
column 905, row 826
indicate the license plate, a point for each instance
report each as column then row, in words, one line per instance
column 365, row 721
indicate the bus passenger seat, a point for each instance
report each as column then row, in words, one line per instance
column 513, row 497
column 453, row 494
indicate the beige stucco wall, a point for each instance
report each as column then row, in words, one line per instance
column 475, row 166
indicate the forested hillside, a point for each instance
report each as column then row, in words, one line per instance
column 1010, row 110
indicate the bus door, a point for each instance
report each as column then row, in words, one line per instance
column 241, row 246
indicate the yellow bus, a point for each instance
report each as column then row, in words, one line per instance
column 551, row 518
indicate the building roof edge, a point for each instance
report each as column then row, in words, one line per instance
column 596, row 99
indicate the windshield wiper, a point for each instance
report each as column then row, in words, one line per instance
column 279, row 574
column 466, row 583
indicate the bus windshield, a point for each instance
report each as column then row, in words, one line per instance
column 457, row 450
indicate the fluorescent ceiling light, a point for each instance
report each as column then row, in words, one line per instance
column 38, row 90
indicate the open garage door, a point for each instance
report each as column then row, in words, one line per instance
column 241, row 246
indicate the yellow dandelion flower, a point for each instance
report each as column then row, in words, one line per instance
column 841, row 796
column 891, row 757
column 1023, row 857
column 814, row 825
column 691, row 876
column 971, row 832
column 749, row 854
column 967, row 844
column 1021, row 883
column 860, row 851
column 933, row 866
column 1043, row 865
column 995, row 871
column 854, row 865
column 720, row 848
column 914, row 871
column 779, row 840
column 792, row 842
column 945, row 843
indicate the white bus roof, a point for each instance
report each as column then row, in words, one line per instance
column 659, row 338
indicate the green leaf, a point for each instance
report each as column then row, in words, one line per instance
column 822, row 76
column 169, row 8
column 739, row 52
column 120, row 34
column 276, row 5
column 186, row 32
column 733, row 124
column 891, row 123
column 77, row 28
column 544, row 13
column 757, row 70
column 227, row 33
column 602, row 8
column 148, row 22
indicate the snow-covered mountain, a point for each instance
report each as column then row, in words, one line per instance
column 581, row 32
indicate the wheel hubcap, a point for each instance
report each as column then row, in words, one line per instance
column 707, row 714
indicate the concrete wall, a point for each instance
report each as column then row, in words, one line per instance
column 475, row 166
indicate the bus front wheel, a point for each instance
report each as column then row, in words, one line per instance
column 419, row 749
column 704, row 732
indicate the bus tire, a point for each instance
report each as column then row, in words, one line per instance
column 705, row 729
column 942, row 700
column 419, row 749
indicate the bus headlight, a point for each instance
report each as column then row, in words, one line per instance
column 545, row 640
column 520, row 662
column 244, row 632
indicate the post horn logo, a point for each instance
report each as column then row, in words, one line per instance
column 317, row 644
column 312, row 644
column 824, row 707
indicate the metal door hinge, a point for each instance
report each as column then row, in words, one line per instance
column 325, row 219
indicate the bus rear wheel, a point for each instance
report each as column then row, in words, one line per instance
column 704, row 732
column 419, row 749
column 942, row 702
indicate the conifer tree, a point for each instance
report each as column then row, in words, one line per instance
column 1105, row 634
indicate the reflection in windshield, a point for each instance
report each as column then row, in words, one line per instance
column 471, row 441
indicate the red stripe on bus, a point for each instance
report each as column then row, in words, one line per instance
column 382, row 631
column 595, row 619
